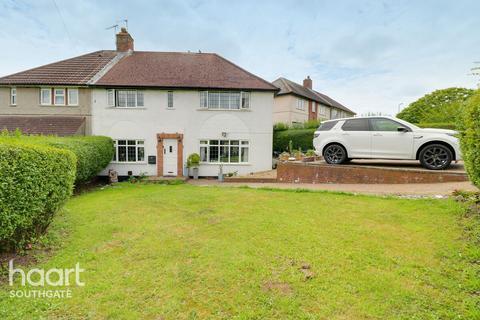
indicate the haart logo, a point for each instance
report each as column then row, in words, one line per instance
column 39, row 278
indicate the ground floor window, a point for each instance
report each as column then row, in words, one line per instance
column 224, row 151
column 129, row 151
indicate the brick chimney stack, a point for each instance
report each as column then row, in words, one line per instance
column 124, row 41
column 307, row 83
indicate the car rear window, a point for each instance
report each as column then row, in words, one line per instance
column 356, row 125
column 327, row 126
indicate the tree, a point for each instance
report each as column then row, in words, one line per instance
column 439, row 106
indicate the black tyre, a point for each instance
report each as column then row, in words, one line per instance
column 435, row 157
column 335, row 154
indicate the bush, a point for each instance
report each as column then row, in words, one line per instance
column 280, row 126
column 193, row 160
column 301, row 139
column 470, row 138
column 438, row 106
column 93, row 153
column 35, row 181
column 439, row 125
column 311, row 124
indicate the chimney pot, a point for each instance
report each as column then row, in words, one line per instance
column 124, row 41
column 307, row 83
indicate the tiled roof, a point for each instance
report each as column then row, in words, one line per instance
column 61, row 126
column 181, row 70
column 74, row 71
column 289, row 87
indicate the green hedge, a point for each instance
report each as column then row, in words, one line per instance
column 35, row 181
column 470, row 138
column 301, row 138
column 439, row 125
column 93, row 153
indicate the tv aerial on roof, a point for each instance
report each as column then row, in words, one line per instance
column 115, row 26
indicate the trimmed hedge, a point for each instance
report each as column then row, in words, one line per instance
column 470, row 138
column 93, row 153
column 301, row 138
column 35, row 181
column 439, row 125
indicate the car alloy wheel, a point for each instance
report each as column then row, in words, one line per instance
column 436, row 157
column 335, row 154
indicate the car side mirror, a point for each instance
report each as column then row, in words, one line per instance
column 402, row 129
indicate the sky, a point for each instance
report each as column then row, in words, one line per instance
column 372, row 56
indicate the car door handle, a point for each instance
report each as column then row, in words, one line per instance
column 345, row 134
column 377, row 134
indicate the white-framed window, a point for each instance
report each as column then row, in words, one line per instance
column 301, row 104
column 322, row 110
column 225, row 100
column 314, row 106
column 129, row 150
column 224, row 151
column 13, row 96
column 125, row 98
column 46, row 96
column 59, row 97
column 72, row 97
column 170, row 99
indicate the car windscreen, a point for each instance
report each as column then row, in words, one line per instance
column 356, row 125
column 327, row 125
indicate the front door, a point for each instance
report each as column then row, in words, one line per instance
column 170, row 157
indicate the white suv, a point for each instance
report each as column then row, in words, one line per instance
column 341, row 140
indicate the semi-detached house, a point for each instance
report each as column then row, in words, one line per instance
column 159, row 107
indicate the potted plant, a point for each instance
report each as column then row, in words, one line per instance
column 193, row 162
column 298, row 154
column 309, row 156
column 284, row 156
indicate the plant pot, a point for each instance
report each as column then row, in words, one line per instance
column 194, row 173
column 308, row 159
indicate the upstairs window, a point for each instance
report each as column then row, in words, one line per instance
column 170, row 99
column 46, row 96
column 72, row 97
column 125, row 98
column 59, row 98
column 301, row 104
column 225, row 100
column 13, row 96
column 129, row 151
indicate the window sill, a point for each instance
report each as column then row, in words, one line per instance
column 226, row 163
column 228, row 110
column 13, row 105
column 127, row 108
column 60, row 105
column 128, row 162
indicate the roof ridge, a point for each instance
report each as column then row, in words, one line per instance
column 97, row 76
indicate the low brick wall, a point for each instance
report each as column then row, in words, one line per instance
column 297, row 172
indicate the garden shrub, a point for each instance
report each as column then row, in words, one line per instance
column 439, row 125
column 470, row 138
column 35, row 181
column 301, row 139
column 93, row 153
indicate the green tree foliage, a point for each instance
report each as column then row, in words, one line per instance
column 439, row 106
column 470, row 138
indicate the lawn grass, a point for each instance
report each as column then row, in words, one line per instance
column 186, row 252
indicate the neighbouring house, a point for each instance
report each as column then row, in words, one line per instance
column 296, row 103
column 158, row 107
